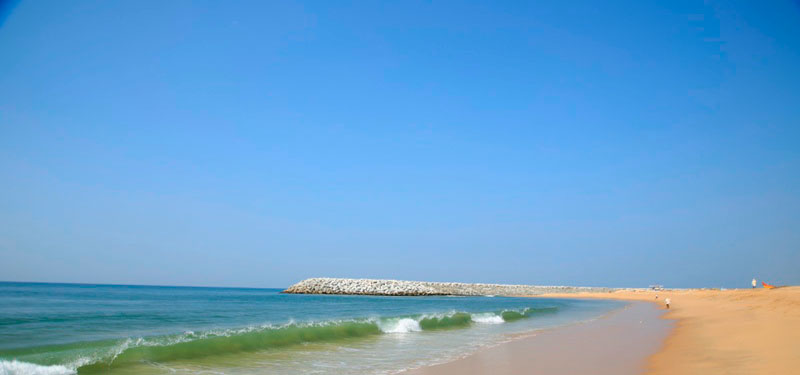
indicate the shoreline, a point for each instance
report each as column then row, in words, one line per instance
column 735, row 331
column 555, row 350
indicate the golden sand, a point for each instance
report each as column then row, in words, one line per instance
column 741, row 331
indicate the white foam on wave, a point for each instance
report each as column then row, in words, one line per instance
column 15, row 367
column 404, row 325
column 487, row 318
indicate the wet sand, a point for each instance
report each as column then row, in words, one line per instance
column 616, row 344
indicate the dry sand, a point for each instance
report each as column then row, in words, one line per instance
column 741, row 331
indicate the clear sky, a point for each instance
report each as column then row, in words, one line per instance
column 235, row 143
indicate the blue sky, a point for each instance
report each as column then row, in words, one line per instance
column 260, row 143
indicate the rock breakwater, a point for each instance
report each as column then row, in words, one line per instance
column 377, row 287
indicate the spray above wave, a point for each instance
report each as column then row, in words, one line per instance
column 100, row 357
column 488, row 318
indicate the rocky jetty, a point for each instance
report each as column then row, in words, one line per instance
column 375, row 287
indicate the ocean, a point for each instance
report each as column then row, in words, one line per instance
column 121, row 329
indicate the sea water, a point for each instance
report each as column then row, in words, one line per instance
column 120, row 329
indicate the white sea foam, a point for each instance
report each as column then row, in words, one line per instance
column 487, row 318
column 404, row 325
column 15, row 367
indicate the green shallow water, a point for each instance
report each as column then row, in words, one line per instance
column 456, row 320
column 236, row 343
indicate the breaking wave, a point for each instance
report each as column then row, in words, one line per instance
column 15, row 367
column 100, row 357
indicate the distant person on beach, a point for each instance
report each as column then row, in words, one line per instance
column 666, row 301
column 754, row 283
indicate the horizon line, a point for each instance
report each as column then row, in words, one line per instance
column 135, row 285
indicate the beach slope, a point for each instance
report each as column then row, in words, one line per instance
column 616, row 344
column 741, row 331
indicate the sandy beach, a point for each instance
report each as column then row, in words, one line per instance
column 743, row 331
column 739, row 331
column 615, row 344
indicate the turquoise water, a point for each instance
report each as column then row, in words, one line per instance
column 115, row 329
